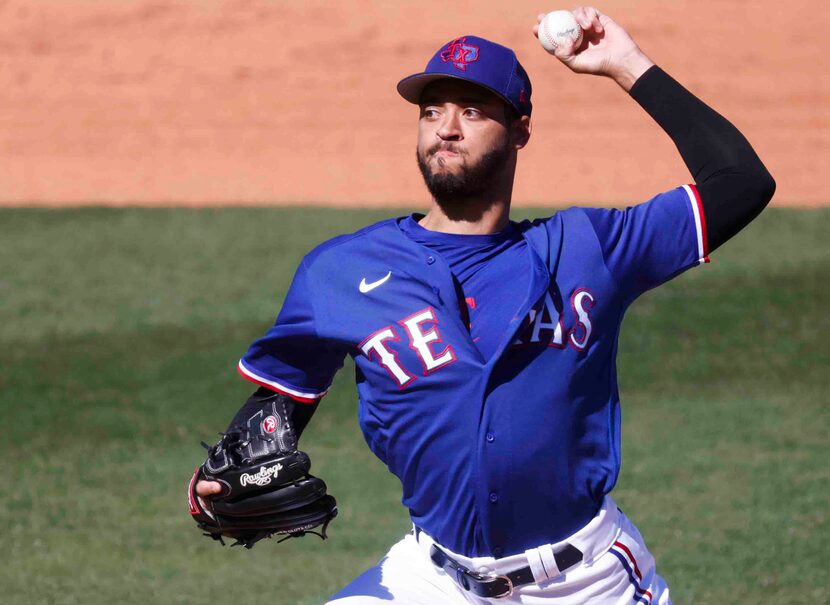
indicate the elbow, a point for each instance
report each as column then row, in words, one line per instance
column 769, row 190
column 764, row 187
column 757, row 188
column 731, row 201
column 755, row 182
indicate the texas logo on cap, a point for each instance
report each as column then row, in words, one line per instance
column 477, row 60
column 459, row 53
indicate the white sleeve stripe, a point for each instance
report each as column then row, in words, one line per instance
column 701, row 253
column 290, row 391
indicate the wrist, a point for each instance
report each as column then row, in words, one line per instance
column 631, row 68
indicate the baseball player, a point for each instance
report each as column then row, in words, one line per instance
column 485, row 348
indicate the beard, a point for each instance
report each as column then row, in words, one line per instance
column 473, row 180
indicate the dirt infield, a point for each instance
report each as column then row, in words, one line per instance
column 256, row 102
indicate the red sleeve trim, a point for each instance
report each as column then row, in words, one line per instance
column 700, row 222
column 278, row 388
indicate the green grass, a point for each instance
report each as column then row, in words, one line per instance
column 120, row 330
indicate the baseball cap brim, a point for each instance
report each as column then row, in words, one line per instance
column 411, row 87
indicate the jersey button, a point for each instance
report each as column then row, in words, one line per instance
column 430, row 260
column 490, row 437
column 494, row 497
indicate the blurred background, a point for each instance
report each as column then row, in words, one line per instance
column 165, row 165
column 261, row 102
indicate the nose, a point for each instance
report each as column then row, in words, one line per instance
column 450, row 129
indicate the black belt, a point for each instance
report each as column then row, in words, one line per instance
column 492, row 586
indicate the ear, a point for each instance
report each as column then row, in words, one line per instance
column 521, row 131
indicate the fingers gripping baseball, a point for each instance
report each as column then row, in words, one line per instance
column 604, row 48
column 589, row 19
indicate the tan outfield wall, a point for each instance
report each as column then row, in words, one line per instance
column 275, row 102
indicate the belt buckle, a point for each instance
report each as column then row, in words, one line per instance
column 462, row 574
column 492, row 577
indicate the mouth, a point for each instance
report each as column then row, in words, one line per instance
column 442, row 156
column 446, row 152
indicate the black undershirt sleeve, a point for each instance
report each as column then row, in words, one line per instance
column 300, row 413
column 734, row 185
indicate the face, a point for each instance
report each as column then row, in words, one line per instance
column 465, row 141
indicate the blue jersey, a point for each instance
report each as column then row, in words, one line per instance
column 482, row 265
column 495, row 454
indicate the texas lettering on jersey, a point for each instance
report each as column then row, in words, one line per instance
column 463, row 430
column 378, row 347
column 543, row 326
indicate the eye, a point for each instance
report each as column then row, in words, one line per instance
column 429, row 113
column 472, row 112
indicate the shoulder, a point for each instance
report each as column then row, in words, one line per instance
column 565, row 223
column 568, row 231
column 584, row 215
column 335, row 249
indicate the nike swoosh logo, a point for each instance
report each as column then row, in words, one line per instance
column 364, row 287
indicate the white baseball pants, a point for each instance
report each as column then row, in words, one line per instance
column 617, row 569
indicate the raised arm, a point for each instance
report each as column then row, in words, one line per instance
column 733, row 184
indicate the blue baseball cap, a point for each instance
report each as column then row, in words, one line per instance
column 490, row 65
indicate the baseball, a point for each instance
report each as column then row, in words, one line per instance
column 558, row 27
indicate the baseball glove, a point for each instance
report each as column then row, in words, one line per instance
column 266, row 486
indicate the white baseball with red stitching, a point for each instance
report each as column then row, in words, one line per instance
column 557, row 28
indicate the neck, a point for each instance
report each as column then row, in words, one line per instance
column 489, row 213
column 471, row 219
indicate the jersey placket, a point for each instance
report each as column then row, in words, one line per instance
column 490, row 450
column 493, row 447
column 491, row 458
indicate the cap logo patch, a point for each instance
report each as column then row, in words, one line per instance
column 269, row 425
column 459, row 53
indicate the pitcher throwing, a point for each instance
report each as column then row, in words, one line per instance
column 485, row 348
